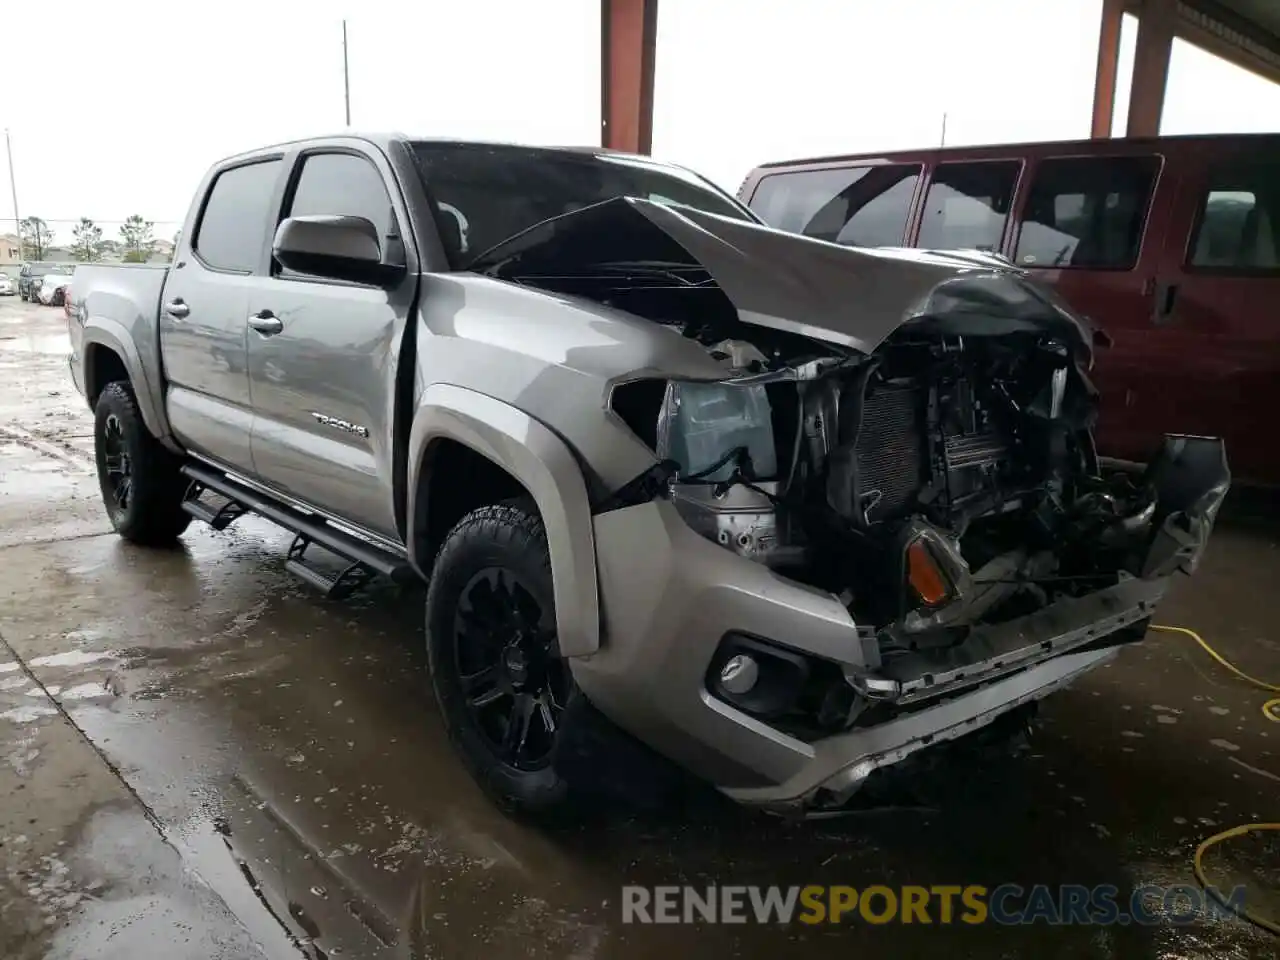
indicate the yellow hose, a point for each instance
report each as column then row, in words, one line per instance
column 1266, row 923
column 1270, row 710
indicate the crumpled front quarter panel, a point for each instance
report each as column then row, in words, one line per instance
column 553, row 357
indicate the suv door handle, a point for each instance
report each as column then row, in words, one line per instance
column 266, row 323
column 1166, row 299
column 177, row 309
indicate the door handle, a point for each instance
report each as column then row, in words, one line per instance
column 266, row 323
column 1166, row 299
column 177, row 309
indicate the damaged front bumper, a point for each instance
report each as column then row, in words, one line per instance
column 673, row 601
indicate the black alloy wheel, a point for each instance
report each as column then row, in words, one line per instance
column 118, row 466
column 141, row 481
column 514, row 684
column 494, row 656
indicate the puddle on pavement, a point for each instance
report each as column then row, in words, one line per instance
column 123, row 893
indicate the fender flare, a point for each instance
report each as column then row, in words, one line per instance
column 528, row 450
column 111, row 334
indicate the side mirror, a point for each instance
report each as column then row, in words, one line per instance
column 334, row 247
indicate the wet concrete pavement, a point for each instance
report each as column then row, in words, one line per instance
column 198, row 752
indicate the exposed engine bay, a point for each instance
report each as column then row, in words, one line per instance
column 831, row 469
column 925, row 454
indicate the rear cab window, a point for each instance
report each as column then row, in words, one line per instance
column 237, row 211
column 1086, row 212
column 967, row 205
column 865, row 206
column 1238, row 224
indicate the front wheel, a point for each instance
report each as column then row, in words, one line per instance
column 495, row 665
column 142, row 485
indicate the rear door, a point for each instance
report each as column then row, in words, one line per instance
column 323, row 353
column 204, row 311
column 1094, row 226
column 1215, row 333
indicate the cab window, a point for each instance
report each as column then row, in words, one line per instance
column 857, row 206
column 233, row 225
column 1086, row 212
column 1238, row 220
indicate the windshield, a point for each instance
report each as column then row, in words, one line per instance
column 492, row 192
column 39, row 269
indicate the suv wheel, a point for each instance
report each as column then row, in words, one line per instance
column 142, row 486
column 494, row 658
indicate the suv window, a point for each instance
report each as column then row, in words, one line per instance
column 856, row 206
column 233, row 226
column 967, row 205
column 1239, row 217
column 1087, row 212
column 343, row 184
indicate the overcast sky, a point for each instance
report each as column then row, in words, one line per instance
column 118, row 109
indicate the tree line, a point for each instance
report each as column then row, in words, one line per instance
column 136, row 244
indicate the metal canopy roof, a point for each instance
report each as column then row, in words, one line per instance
column 1244, row 32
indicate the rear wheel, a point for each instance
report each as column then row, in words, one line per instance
column 495, row 665
column 142, row 486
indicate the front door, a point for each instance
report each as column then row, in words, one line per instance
column 1215, row 312
column 203, row 314
column 323, row 356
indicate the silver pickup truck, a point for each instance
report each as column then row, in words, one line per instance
column 680, row 486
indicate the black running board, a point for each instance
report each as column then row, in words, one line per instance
column 363, row 557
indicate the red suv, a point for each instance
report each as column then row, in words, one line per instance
column 1171, row 245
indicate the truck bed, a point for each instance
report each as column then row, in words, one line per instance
column 125, row 299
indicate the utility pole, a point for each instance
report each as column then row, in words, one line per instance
column 346, row 74
column 13, row 188
column 943, row 141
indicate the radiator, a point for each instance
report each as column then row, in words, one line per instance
column 890, row 449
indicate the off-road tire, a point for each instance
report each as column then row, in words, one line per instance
column 509, row 536
column 152, row 513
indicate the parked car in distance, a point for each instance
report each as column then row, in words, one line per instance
column 30, row 274
column 52, row 289
column 679, row 485
column 7, row 286
column 1170, row 245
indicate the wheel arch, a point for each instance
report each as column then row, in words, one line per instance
column 536, row 459
column 108, row 351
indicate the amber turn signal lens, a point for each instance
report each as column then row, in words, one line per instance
column 924, row 576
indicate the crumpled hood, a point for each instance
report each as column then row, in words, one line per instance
column 855, row 297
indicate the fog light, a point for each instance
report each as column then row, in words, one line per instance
column 755, row 676
column 739, row 674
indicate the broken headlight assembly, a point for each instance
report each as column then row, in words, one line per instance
column 721, row 440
